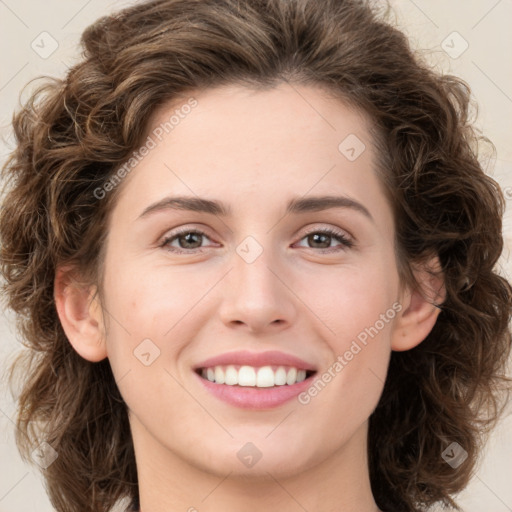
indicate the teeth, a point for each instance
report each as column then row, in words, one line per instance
column 263, row 377
column 291, row 376
column 231, row 376
column 246, row 376
column 280, row 377
column 219, row 375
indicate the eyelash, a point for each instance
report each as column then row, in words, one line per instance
column 338, row 235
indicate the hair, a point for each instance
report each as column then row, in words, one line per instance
column 73, row 133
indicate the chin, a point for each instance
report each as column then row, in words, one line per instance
column 257, row 459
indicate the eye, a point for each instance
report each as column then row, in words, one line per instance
column 324, row 237
column 188, row 240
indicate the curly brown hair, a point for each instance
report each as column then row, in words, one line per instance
column 74, row 133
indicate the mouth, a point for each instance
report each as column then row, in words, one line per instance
column 268, row 376
column 255, row 380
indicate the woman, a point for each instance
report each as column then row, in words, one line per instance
column 334, row 337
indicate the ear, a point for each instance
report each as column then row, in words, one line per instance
column 420, row 306
column 80, row 314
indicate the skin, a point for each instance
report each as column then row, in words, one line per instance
column 254, row 151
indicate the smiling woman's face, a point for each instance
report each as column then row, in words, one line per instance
column 255, row 279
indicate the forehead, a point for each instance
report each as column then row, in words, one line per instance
column 237, row 142
column 283, row 110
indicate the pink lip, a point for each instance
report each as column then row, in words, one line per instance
column 256, row 359
column 247, row 397
column 255, row 398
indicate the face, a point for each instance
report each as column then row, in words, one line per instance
column 277, row 282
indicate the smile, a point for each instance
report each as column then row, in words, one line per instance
column 250, row 376
column 251, row 380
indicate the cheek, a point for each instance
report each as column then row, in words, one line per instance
column 149, row 328
column 349, row 299
column 348, row 389
column 358, row 306
column 149, row 301
column 157, row 314
column 145, row 312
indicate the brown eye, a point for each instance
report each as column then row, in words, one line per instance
column 187, row 240
column 321, row 239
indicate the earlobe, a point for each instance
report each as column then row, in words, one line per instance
column 80, row 314
column 420, row 307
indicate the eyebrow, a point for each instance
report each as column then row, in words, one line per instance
column 297, row 205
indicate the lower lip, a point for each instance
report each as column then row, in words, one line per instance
column 246, row 397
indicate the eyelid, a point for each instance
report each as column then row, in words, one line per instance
column 183, row 230
column 186, row 228
column 346, row 240
column 329, row 228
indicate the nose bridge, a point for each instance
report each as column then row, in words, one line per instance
column 252, row 270
column 255, row 294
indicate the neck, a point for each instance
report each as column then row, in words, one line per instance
column 168, row 483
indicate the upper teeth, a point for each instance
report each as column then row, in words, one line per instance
column 263, row 377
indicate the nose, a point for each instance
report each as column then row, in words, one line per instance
column 258, row 296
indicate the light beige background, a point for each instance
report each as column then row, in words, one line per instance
column 482, row 25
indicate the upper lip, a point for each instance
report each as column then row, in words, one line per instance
column 257, row 359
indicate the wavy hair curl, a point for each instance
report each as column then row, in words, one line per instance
column 75, row 132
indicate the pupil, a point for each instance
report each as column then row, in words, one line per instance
column 188, row 236
column 315, row 237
